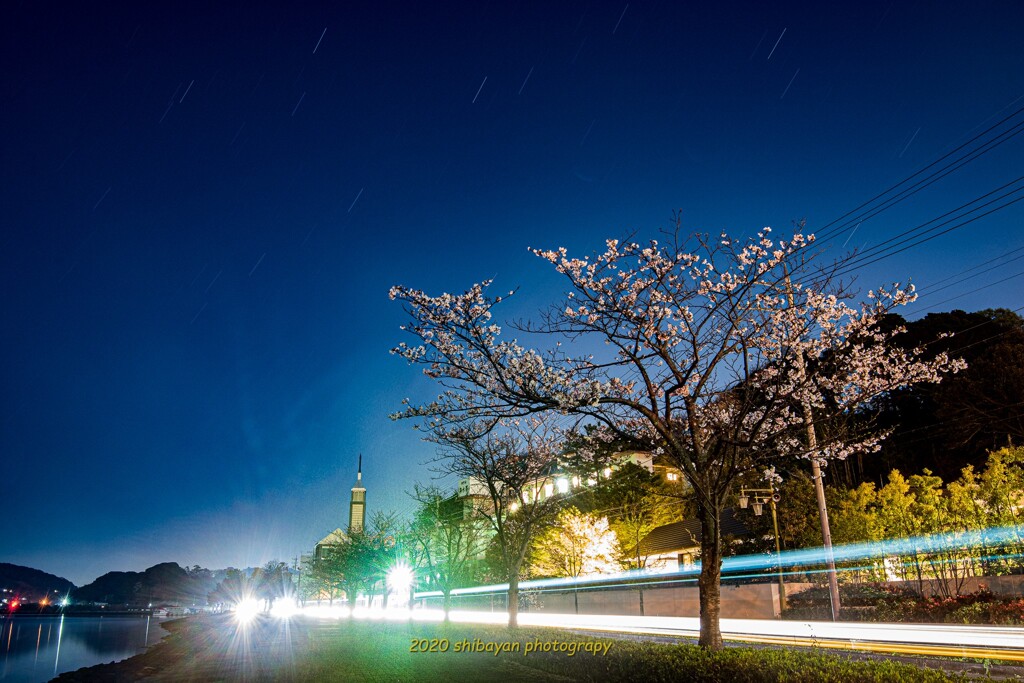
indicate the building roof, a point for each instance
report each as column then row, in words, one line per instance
column 685, row 535
column 336, row 537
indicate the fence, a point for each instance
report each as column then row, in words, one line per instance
column 751, row 601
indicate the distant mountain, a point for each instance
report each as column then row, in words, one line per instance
column 31, row 584
column 162, row 584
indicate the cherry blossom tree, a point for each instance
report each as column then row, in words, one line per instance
column 506, row 463
column 447, row 540
column 724, row 355
column 576, row 544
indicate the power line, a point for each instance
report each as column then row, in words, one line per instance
column 931, row 288
column 824, row 231
column 855, row 264
column 974, row 327
column 978, row 289
column 919, row 186
column 918, row 230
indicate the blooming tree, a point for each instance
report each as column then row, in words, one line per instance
column 447, row 540
column 576, row 544
column 723, row 354
column 505, row 463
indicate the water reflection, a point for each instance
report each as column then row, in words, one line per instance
column 70, row 643
column 60, row 631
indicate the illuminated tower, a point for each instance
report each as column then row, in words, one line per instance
column 357, row 507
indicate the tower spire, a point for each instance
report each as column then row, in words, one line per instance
column 357, row 504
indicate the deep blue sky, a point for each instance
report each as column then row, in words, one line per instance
column 201, row 217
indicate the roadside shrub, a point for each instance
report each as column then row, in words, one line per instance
column 885, row 603
column 651, row 663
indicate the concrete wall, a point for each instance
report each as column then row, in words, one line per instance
column 755, row 601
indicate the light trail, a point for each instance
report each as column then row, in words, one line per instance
column 851, row 552
column 938, row 640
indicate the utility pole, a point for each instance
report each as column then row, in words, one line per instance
column 816, row 476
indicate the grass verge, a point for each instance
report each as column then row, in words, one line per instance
column 216, row 648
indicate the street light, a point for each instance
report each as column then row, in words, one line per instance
column 756, row 498
column 401, row 577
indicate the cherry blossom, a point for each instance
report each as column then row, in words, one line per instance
column 725, row 353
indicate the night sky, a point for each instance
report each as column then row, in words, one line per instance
column 203, row 210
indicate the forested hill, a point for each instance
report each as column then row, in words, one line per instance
column 165, row 583
column 32, row 584
column 958, row 421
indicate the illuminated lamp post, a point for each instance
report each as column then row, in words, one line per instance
column 401, row 579
column 757, row 501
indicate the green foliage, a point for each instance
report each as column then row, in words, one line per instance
column 446, row 540
column 888, row 603
column 358, row 564
column 635, row 502
column 912, row 507
column 625, row 660
column 797, row 512
column 350, row 650
column 576, row 544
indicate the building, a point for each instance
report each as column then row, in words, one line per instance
column 560, row 482
column 335, row 538
column 357, row 503
column 676, row 546
column 356, row 517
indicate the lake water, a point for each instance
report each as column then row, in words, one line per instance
column 38, row 648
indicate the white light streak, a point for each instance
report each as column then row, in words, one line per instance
column 945, row 639
column 354, row 200
column 620, row 19
column 479, row 89
column 790, row 83
column 321, row 38
column 777, row 43
column 524, row 81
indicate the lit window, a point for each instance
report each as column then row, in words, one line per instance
column 591, row 481
column 607, row 472
column 672, row 476
column 548, row 490
column 513, row 507
column 563, row 485
column 575, row 482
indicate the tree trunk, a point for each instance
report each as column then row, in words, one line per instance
column 709, row 582
column 513, row 599
column 447, row 604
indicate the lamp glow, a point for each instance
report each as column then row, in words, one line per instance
column 284, row 608
column 400, row 578
column 247, row 609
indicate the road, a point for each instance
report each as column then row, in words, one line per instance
column 938, row 640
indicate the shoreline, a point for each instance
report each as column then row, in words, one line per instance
column 130, row 668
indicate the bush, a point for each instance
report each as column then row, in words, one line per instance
column 629, row 661
column 887, row 603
